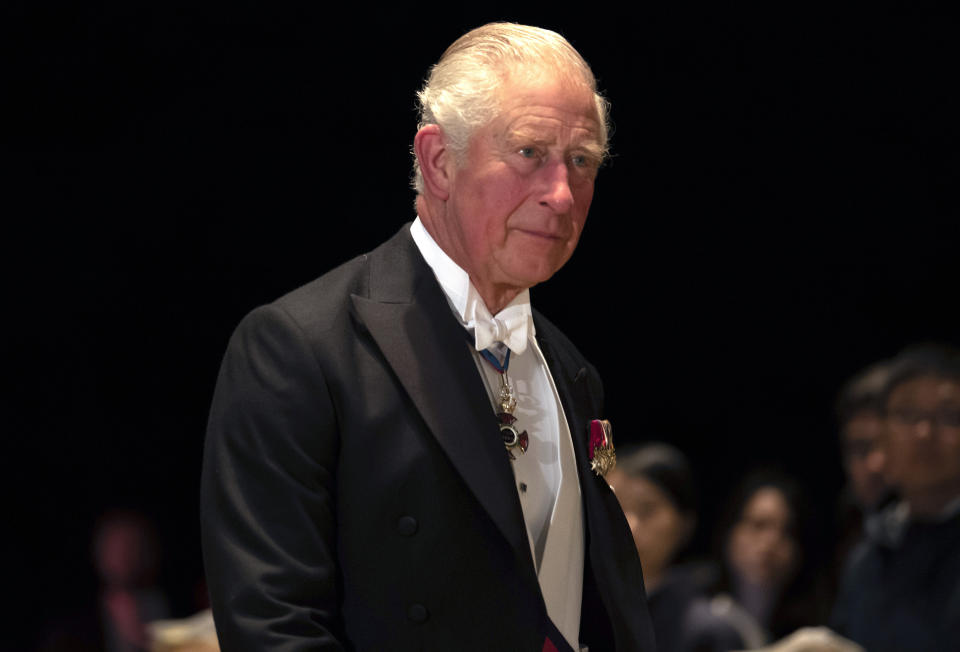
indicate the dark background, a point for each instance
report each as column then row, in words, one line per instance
column 780, row 211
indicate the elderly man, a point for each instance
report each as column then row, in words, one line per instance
column 901, row 590
column 402, row 455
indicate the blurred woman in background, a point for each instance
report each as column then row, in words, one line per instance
column 770, row 561
column 654, row 485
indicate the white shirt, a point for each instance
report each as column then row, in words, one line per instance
column 546, row 475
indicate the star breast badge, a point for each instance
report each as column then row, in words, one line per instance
column 603, row 457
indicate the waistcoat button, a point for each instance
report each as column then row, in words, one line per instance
column 407, row 526
column 417, row 613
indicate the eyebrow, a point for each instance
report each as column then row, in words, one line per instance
column 524, row 133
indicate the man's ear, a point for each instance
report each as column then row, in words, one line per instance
column 430, row 146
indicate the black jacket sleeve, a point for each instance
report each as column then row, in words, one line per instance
column 267, row 493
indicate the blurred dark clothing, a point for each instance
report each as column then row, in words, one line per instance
column 901, row 588
column 850, row 530
column 125, row 617
column 684, row 620
column 94, row 628
column 79, row 631
column 804, row 602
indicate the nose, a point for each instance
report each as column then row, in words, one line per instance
column 768, row 539
column 876, row 459
column 924, row 428
column 557, row 196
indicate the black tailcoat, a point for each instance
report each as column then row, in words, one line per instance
column 356, row 493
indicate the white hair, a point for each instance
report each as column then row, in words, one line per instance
column 462, row 92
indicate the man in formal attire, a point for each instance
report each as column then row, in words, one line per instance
column 402, row 454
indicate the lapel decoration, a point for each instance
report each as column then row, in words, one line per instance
column 603, row 457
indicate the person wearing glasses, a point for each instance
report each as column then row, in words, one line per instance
column 901, row 587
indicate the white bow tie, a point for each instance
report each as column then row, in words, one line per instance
column 511, row 326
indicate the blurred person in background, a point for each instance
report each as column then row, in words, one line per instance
column 860, row 426
column 126, row 556
column 770, row 561
column 860, row 415
column 901, row 588
column 654, row 484
column 126, row 552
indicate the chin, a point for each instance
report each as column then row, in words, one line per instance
column 539, row 277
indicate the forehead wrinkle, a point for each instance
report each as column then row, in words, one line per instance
column 549, row 121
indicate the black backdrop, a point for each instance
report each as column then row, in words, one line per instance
column 780, row 211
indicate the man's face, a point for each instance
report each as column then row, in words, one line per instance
column 863, row 457
column 518, row 203
column 923, row 436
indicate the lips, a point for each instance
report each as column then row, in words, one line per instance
column 538, row 234
column 543, row 234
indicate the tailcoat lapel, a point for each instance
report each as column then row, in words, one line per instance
column 409, row 318
column 611, row 557
column 578, row 405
